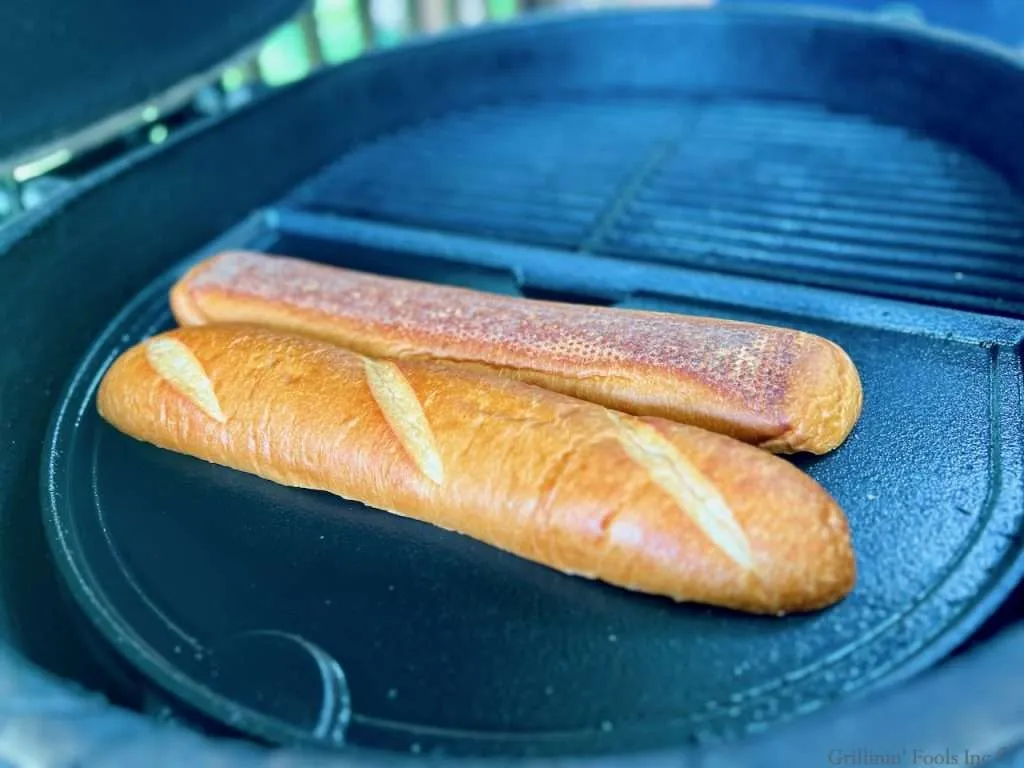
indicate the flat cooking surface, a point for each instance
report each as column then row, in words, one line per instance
column 297, row 616
column 789, row 191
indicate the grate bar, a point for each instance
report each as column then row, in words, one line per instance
column 781, row 191
column 840, row 210
column 468, row 203
column 879, row 244
column 460, row 168
column 675, row 249
column 495, row 190
column 481, row 220
column 547, row 152
column 895, row 198
column 711, row 253
column 809, row 173
column 816, row 138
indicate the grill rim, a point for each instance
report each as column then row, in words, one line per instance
column 981, row 674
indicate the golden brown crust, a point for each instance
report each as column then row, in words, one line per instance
column 643, row 503
column 781, row 389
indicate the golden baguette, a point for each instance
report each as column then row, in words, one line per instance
column 643, row 503
column 783, row 390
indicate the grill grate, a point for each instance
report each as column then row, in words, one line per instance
column 786, row 191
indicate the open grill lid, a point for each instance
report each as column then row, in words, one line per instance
column 68, row 70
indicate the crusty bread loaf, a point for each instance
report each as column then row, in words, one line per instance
column 780, row 389
column 644, row 503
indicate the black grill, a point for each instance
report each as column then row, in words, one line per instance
column 786, row 191
column 455, row 160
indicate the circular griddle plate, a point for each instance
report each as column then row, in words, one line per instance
column 297, row 617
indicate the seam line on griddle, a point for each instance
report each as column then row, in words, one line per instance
column 657, row 157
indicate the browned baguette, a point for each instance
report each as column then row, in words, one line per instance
column 780, row 389
column 643, row 503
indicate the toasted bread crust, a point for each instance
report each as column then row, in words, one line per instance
column 783, row 390
column 643, row 503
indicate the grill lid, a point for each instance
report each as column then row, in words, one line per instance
column 65, row 67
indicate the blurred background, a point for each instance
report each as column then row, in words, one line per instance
column 329, row 32
column 324, row 33
column 332, row 31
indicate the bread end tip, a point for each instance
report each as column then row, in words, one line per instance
column 825, row 403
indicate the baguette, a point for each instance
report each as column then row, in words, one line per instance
column 643, row 503
column 783, row 390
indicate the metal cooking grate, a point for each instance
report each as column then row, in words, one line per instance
column 537, row 174
column 791, row 192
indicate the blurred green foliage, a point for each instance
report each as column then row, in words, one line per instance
column 285, row 58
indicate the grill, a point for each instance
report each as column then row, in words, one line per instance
column 783, row 191
column 756, row 172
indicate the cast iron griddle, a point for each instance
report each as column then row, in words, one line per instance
column 297, row 617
